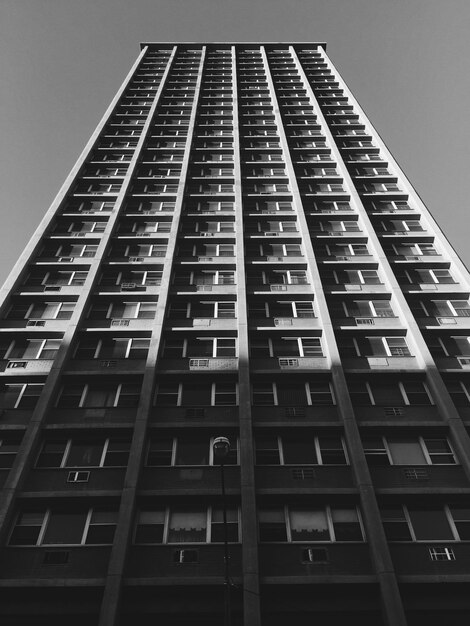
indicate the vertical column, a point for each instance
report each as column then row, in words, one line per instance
column 392, row 605
column 459, row 435
column 247, row 465
column 110, row 606
column 30, row 439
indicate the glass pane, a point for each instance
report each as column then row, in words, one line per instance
column 299, row 452
column 65, row 528
column 192, row 452
column 187, row 526
column 346, row 525
column 309, row 525
column 430, row 524
column 406, row 452
column 84, row 454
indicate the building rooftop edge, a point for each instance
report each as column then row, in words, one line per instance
column 226, row 43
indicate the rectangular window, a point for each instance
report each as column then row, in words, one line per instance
column 58, row 526
column 84, row 453
column 307, row 524
column 176, row 525
column 20, row 396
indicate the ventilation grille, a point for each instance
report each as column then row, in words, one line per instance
column 78, row 477
column 56, row 557
column 195, row 413
column 282, row 321
column 186, row 556
column 198, row 362
column 35, row 323
column 119, row 322
column 365, row 321
column 294, row 411
column 440, row 553
column 415, row 473
column 314, row 555
column 286, row 363
column 303, row 473
column 394, row 411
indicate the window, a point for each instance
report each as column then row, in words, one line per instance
column 104, row 395
column 185, row 450
column 287, row 249
column 210, row 347
column 79, row 452
column 352, row 249
column 459, row 391
column 122, row 310
column 20, row 395
column 381, row 346
column 328, row 207
column 300, row 450
column 57, row 526
column 8, row 450
column 368, row 308
column 381, row 451
column 311, row 393
column 308, row 524
column 389, row 393
column 287, row 346
column 352, row 277
column 183, row 525
column 448, row 522
column 196, row 394
column 446, row 308
column 42, row 310
column 65, row 279
column 425, row 277
column 30, row 349
column 111, row 348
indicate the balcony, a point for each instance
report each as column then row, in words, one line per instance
column 390, row 415
column 112, row 365
column 276, row 479
column 284, row 322
column 330, row 561
column 199, row 364
column 290, row 363
column 18, row 367
column 421, row 478
column 380, row 362
column 197, row 416
column 189, row 480
column 128, row 323
column 80, row 562
column 93, row 479
column 162, row 563
column 389, row 321
column 413, row 561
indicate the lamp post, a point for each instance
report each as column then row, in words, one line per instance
column 221, row 449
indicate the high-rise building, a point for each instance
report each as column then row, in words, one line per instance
column 235, row 254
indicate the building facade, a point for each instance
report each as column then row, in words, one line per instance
column 236, row 253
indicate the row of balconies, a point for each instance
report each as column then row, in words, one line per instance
column 303, row 563
column 205, row 480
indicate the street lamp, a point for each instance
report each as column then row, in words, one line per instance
column 221, row 450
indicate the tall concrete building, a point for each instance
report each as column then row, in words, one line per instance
column 235, row 254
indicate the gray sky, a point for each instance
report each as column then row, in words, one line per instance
column 61, row 61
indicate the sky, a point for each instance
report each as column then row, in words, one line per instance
column 61, row 62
